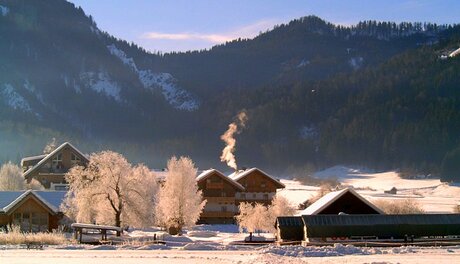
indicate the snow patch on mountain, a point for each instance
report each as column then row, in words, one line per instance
column 13, row 99
column 308, row 132
column 356, row 62
column 122, row 56
column 176, row 96
column 31, row 88
column 101, row 83
column 303, row 63
column 4, row 10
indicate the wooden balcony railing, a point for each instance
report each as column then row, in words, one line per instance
column 220, row 199
column 217, row 214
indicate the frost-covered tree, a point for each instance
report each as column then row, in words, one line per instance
column 253, row 218
column 11, row 178
column 180, row 203
column 257, row 217
column 280, row 207
column 111, row 191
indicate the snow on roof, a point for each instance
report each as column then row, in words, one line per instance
column 207, row 173
column 33, row 158
column 237, row 175
column 454, row 53
column 51, row 199
column 8, row 197
column 331, row 197
column 47, row 157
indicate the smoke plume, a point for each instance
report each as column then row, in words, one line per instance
column 228, row 137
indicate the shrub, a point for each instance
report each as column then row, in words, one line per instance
column 404, row 206
column 16, row 237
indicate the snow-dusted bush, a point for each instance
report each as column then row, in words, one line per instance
column 179, row 203
column 403, row 206
column 254, row 218
column 258, row 217
column 15, row 237
column 11, row 178
column 111, row 191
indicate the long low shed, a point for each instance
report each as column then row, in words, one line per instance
column 350, row 227
column 381, row 226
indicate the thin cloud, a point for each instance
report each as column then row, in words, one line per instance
column 248, row 31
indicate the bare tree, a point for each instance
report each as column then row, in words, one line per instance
column 11, row 178
column 110, row 191
column 180, row 203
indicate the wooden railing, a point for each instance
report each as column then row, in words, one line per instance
column 217, row 214
column 220, row 199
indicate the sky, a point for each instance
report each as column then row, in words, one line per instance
column 181, row 25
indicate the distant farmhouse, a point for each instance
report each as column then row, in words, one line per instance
column 225, row 193
column 50, row 169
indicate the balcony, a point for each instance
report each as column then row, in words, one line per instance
column 218, row 214
column 220, row 199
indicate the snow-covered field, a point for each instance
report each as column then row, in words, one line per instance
column 432, row 194
column 215, row 243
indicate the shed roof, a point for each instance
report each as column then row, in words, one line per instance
column 241, row 174
column 330, row 198
column 289, row 221
column 382, row 225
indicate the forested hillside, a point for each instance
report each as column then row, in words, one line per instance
column 375, row 94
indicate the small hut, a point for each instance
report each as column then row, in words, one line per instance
column 289, row 228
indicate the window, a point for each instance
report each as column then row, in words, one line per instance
column 74, row 159
column 262, row 184
column 265, row 196
column 243, row 196
column 224, row 194
column 31, row 222
column 254, row 196
column 57, row 162
column 224, row 208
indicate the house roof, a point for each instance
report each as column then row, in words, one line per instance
column 330, row 198
column 50, row 155
column 241, row 174
column 51, row 200
column 207, row 173
column 38, row 157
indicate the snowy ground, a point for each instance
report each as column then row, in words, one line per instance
column 432, row 194
column 292, row 255
column 216, row 243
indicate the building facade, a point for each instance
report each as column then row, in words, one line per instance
column 50, row 169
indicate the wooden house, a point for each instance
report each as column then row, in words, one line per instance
column 32, row 211
column 219, row 191
column 50, row 169
column 258, row 186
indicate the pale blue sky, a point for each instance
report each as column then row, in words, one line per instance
column 180, row 25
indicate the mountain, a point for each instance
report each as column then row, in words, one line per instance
column 375, row 94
